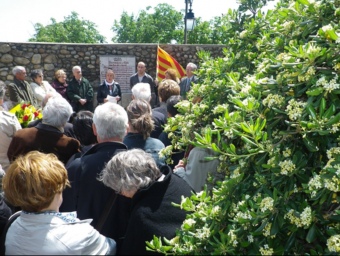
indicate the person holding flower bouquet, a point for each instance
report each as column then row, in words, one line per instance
column 40, row 87
column 20, row 90
column 47, row 136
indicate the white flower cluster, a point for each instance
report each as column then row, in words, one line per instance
column 266, row 230
column 305, row 217
column 327, row 28
column 287, row 167
column 333, row 184
column 233, row 237
column 288, row 25
column 333, row 243
column 188, row 223
column 287, row 152
column 315, row 183
column 266, row 250
column 328, row 86
column 267, row 203
column 294, row 109
column 312, row 49
column 243, row 34
column 284, row 57
column 333, row 151
column 307, row 76
column 273, row 100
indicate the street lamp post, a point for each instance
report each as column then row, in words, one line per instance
column 189, row 20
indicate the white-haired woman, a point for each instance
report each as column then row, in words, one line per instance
column 40, row 87
column 134, row 174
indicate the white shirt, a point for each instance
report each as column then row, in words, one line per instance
column 55, row 234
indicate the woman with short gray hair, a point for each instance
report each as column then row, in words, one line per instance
column 134, row 174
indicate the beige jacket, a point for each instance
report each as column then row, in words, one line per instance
column 9, row 124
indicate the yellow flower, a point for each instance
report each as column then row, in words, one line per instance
column 26, row 113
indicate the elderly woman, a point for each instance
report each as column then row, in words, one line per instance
column 39, row 86
column 47, row 136
column 134, row 174
column 140, row 128
column 34, row 182
column 59, row 82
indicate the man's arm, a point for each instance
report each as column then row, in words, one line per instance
column 14, row 93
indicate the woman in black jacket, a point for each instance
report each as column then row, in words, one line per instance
column 109, row 90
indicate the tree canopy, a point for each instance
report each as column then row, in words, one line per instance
column 161, row 25
column 71, row 30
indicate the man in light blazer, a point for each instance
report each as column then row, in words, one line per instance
column 185, row 83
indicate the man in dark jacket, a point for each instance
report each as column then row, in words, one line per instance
column 87, row 195
column 80, row 91
column 142, row 77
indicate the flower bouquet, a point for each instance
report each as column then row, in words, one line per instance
column 26, row 113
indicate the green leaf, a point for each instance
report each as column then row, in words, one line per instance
column 311, row 111
column 322, row 106
column 232, row 148
column 311, row 146
column 311, row 234
column 330, row 111
column 315, row 91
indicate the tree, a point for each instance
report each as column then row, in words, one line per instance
column 160, row 26
column 71, row 30
column 274, row 122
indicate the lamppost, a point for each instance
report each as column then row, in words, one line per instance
column 189, row 20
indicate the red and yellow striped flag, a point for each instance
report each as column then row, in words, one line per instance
column 165, row 61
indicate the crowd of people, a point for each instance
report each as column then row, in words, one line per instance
column 89, row 179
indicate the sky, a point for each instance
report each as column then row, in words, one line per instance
column 17, row 17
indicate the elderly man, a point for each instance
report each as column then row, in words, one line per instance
column 89, row 197
column 80, row 91
column 185, row 84
column 20, row 90
column 47, row 136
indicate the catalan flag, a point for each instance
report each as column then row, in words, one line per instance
column 165, row 61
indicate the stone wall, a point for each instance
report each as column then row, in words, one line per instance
column 52, row 56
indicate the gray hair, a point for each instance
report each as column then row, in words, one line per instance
column 57, row 111
column 111, row 121
column 192, row 66
column 130, row 170
column 18, row 69
column 141, row 91
column 76, row 68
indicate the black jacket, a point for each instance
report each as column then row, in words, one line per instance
column 153, row 213
column 146, row 79
column 103, row 91
column 88, row 196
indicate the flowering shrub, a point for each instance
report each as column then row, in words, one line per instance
column 270, row 109
column 26, row 113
